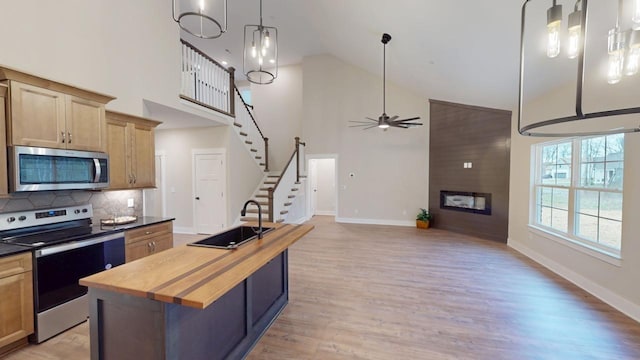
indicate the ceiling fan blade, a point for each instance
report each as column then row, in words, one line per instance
column 410, row 124
column 368, row 118
column 393, row 118
column 361, row 125
column 410, row 119
column 372, row 126
column 360, row 122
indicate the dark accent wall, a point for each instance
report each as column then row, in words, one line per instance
column 469, row 134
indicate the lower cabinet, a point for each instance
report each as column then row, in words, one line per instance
column 16, row 300
column 129, row 327
column 148, row 240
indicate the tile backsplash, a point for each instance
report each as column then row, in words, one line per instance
column 106, row 204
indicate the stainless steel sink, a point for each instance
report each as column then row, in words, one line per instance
column 231, row 238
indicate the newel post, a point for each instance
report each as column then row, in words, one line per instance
column 270, row 197
column 232, row 93
column 266, row 154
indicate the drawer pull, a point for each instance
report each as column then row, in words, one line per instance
column 148, row 232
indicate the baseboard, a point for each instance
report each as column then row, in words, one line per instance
column 183, row 230
column 376, row 221
column 620, row 303
column 325, row 213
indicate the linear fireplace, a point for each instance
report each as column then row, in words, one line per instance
column 479, row 203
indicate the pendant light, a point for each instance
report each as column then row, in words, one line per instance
column 616, row 49
column 198, row 17
column 575, row 30
column 260, row 60
column 554, row 22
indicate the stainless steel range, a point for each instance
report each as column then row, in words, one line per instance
column 65, row 249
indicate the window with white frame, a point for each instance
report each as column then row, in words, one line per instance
column 578, row 189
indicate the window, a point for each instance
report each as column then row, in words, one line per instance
column 578, row 190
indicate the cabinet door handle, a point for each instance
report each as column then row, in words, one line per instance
column 134, row 178
column 69, row 133
column 150, row 247
column 154, row 246
column 63, row 136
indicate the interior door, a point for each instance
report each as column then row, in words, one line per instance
column 210, row 203
column 313, row 185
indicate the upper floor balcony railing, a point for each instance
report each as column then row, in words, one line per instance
column 206, row 82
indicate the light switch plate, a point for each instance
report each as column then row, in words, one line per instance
column 130, row 203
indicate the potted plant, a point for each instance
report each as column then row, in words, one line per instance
column 423, row 218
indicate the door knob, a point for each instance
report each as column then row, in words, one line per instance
column 197, row 198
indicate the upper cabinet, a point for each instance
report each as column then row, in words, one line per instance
column 49, row 114
column 131, row 151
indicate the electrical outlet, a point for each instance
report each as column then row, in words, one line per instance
column 130, row 203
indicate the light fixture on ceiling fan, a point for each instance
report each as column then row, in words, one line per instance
column 385, row 121
column 198, row 18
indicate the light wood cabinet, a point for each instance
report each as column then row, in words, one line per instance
column 4, row 188
column 46, row 113
column 148, row 240
column 16, row 302
column 46, row 118
column 131, row 149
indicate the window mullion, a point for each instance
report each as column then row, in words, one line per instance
column 575, row 180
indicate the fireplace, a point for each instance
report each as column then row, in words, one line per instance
column 478, row 203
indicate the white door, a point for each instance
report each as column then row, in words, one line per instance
column 210, row 203
column 313, row 185
column 154, row 198
column 325, row 187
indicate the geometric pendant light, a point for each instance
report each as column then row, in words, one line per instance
column 260, row 60
column 205, row 19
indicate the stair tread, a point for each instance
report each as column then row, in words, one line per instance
column 262, row 196
column 287, row 204
column 248, row 142
column 243, row 133
column 254, row 150
column 291, row 196
column 265, row 189
column 284, row 212
column 294, row 189
column 258, row 157
column 246, row 218
column 270, row 182
column 255, row 211
column 279, row 220
column 236, row 124
column 273, row 176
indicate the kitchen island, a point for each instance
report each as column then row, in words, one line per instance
column 191, row 302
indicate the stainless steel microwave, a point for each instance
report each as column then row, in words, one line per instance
column 37, row 169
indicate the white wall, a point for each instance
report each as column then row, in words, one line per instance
column 127, row 49
column 390, row 167
column 278, row 111
column 616, row 282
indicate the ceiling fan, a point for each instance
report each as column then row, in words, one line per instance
column 385, row 121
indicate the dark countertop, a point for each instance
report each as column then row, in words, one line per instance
column 142, row 221
column 10, row 249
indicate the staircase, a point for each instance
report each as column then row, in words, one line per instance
column 262, row 197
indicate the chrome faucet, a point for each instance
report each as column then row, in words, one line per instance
column 243, row 212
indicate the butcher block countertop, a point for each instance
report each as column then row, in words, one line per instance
column 196, row 276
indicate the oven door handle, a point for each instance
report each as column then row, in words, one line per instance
column 77, row 244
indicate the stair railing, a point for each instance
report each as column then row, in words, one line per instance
column 249, row 126
column 205, row 82
column 290, row 177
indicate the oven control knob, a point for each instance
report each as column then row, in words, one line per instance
column 11, row 219
column 76, row 211
column 22, row 218
column 84, row 210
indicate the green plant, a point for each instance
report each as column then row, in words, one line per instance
column 424, row 215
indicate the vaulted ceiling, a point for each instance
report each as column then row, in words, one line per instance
column 460, row 51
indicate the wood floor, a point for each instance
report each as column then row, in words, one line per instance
column 382, row 292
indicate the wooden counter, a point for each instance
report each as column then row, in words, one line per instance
column 191, row 302
column 196, row 276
